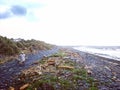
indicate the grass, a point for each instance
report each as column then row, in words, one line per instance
column 59, row 54
column 93, row 87
column 52, row 81
column 64, row 80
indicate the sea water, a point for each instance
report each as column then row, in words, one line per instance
column 103, row 52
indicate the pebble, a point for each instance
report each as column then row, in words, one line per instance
column 105, row 72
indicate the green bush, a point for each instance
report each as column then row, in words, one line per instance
column 11, row 47
column 8, row 47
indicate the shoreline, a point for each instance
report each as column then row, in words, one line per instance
column 107, row 52
column 104, row 70
column 108, row 59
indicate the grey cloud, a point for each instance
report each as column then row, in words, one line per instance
column 15, row 10
column 18, row 10
column 5, row 15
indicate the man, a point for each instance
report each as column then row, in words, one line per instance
column 22, row 58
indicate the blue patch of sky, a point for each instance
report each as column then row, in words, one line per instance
column 2, row 2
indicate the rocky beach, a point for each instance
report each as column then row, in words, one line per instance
column 106, row 71
column 61, row 69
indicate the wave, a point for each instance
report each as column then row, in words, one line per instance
column 107, row 53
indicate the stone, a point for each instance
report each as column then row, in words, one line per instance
column 89, row 71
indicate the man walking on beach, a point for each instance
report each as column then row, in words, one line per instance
column 22, row 58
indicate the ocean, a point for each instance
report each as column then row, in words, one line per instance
column 107, row 52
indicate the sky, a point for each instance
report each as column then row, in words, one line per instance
column 62, row 22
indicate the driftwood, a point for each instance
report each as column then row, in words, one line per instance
column 24, row 86
column 11, row 88
column 65, row 67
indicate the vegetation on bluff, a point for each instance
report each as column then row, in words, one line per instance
column 12, row 47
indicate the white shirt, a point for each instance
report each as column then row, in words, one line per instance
column 22, row 57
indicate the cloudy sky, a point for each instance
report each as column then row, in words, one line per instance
column 62, row 22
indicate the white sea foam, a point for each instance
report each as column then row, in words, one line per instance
column 108, row 53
